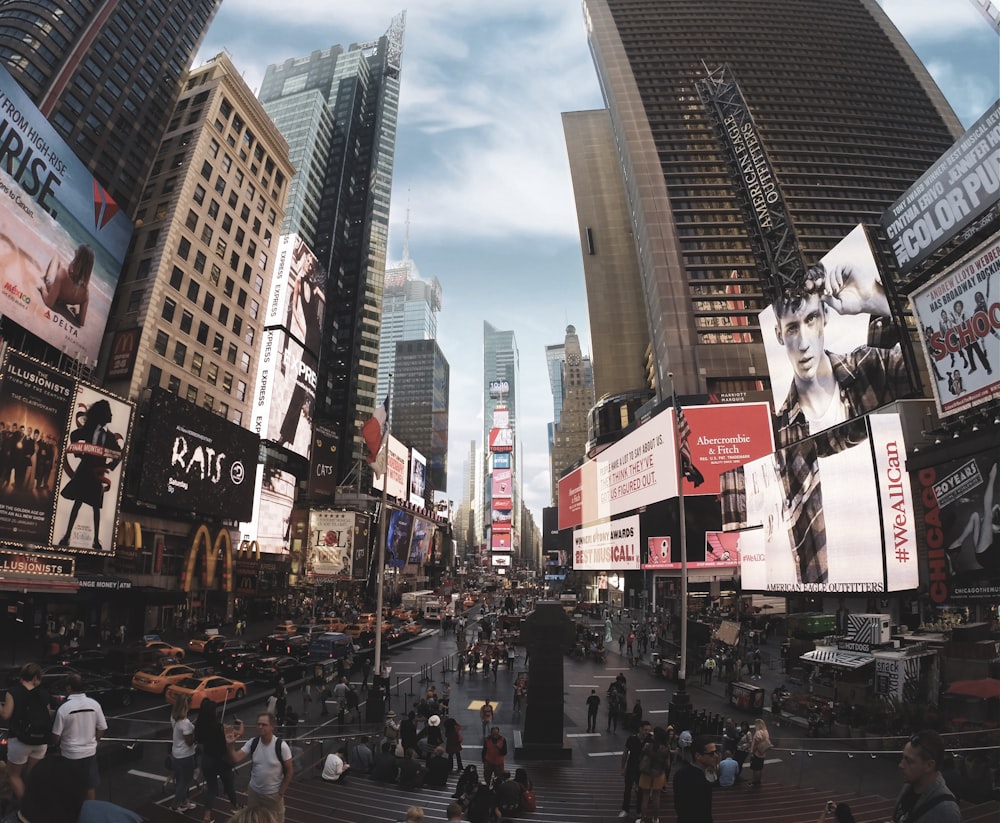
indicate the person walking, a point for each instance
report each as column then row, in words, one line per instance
column 78, row 727
column 654, row 769
column 453, row 743
column 215, row 766
column 182, row 752
column 271, row 769
column 26, row 706
column 486, row 716
column 631, row 757
column 692, row 792
column 709, row 670
column 760, row 744
column 494, row 752
column 925, row 795
column 593, row 704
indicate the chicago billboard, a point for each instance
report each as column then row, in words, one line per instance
column 62, row 237
column 833, row 351
column 950, row 195
column 195, row 460
column 958, row 317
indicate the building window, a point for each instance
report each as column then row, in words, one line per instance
column 193, row 290
column 153, row 379
column 203, row 333
column 186, row 320
column 197, row 361
column 199, row 262
column 241, row 390
column 206, row 234
column 199, row 194
column 223, row 313
column 160, row 344
column 214, row 276
column 227, row 382
column 213, row 373
column 224, row 409
column 231, row 353
column 180, row 353
column 237, row 324
column 229, row 286
column 254, row 309
column 184, row 248
column 237, row 417
column 209, row 304
column 245, row 362
column 208, row 402
column 217, row 343
column 174, row 384
column 191, row 395
column 135, row 300
column 213, row 209
column 176, row 277
column 248, row 336
column 169, row 307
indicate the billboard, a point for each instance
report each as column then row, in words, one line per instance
column 395, row 472
column 195, row 460
column 124, row 348
column 501, row 560
column 298, row 293
column 832, row 348
column 331, row 535
column 285, row 392
column 418, row 478
column 323, row 463
column 90, row 474
column 959, row 502
column 834, row 512
column 34, row 412
column 721, row 549
column 958, row 317
column 723, row 437
column 502, row 483
column 397, row 538
column 421, row 540
column 62, row 237
column 959, row 187
column 501, row 440
column 271, row 522
column 500, row 541
column 610, row 546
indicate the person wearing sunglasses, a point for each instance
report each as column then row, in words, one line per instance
column 924, row 796
column 692, row 792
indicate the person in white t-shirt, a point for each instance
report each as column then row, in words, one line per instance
column 271, row 772
column 182, row 752
column 78, row 726
column 335, row 767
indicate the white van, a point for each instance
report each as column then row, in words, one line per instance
column 433, row 612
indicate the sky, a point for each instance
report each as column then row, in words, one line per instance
column 481, row 164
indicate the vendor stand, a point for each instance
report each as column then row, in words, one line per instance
column 747, row 697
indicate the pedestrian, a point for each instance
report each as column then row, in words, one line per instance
column 621, row 644
column 518, row 697
column 486, row 716
column 593, row 704
column 924, row 793
column 271, row 767
column 729, row 770
column 414, row 814
column 760, row 744
column 493, row 754
column 453, row 740
column 26, row 706
column 757, row 660
column 362, row 757
column 692, row 792
column 709, row 670
column 78, row 727
column 182, row 752
column 615, row 702
column 215, row 766
column 631, row 757
column 654, row 770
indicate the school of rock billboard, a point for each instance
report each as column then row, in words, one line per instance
column 831, row 514
column 195, row 460
column 62, row 237
column 331, row 538
column 958, row 504
column 960, row 186
column 62, row 444
column 958, row 317
column 839, row 325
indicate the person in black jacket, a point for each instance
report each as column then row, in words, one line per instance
column 692, row 792
column 215, row 765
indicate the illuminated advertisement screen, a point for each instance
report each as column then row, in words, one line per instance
column 298, row 293
column 723, row 437
column 959, row 505
column 196, row 460
column 835, row 511
column 611, row 546
column 395, row 474
column 501, row 460
column 62, row 237
column 502, row 483
column 958, row 317
column 418, row 478
column 272, row 513
column 832, row 350
column 323, row 463
column 500, row 541
column 721, row 549
column 90, row 474
column 397, row 538
column 285, row 393
column 421, row 540
column 331, row 537
column 501, row 440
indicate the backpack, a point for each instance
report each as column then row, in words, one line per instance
column 277, row 750
column 32, row 722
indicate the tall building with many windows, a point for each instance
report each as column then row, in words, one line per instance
column 337, row 108
column 420, row 398
column 847, row 114
column 501, row 380
column 576, row 388
column 106, row 75
column 192, row 292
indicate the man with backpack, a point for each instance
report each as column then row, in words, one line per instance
column 271, row 770
column 26, row 706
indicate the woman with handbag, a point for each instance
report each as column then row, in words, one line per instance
column 182, row 752
column 215, row 763
column 760, row 744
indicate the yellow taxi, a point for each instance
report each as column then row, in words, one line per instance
column 197, row 644
column 219, row 689
column 333, row 624
column 165, row 649
column 155, row 679
column 411, row 627
column 367, row 618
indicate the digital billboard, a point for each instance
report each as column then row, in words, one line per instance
column 724, row 436
column 90, row 474
column 832, row 349
column 62, row 237
column 500, row 541
column 195, row 460
column 34, row 410
column 721, row 549
column 501, row 440
column 397, row 538
column 959, row 187
column 395, row 471
column 610, row 546
column 421, row 540
column 270, row 524
column 959, row 505
column 958, row 317
column 297, row 301
column 285, row 393
column 502, row 482
column 834, row 511
column 501, row 460
column 418, row 478
column 323, row 463
column 331, row 536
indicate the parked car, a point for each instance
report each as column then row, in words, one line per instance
column 109, row 695
column 155, row 679
column 197, row 643
column 219, row 689
column 273, row 669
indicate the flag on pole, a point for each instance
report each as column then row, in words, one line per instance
column 374, row 430
column 688, row 469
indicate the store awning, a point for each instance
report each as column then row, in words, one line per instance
column 837, row 657
column 39, row 583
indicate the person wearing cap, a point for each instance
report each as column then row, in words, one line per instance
column 924, row 795
column 684, row 741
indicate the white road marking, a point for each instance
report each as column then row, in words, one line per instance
column 585, row 734
column 648, row 690
column 658, row 711
column 604, row 754
column 161, row 777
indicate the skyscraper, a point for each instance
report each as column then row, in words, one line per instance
column 569, row 435
column 420, row 397
column 501, row 365
column 338, row 110
column 847, row 114
column 106, row 75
